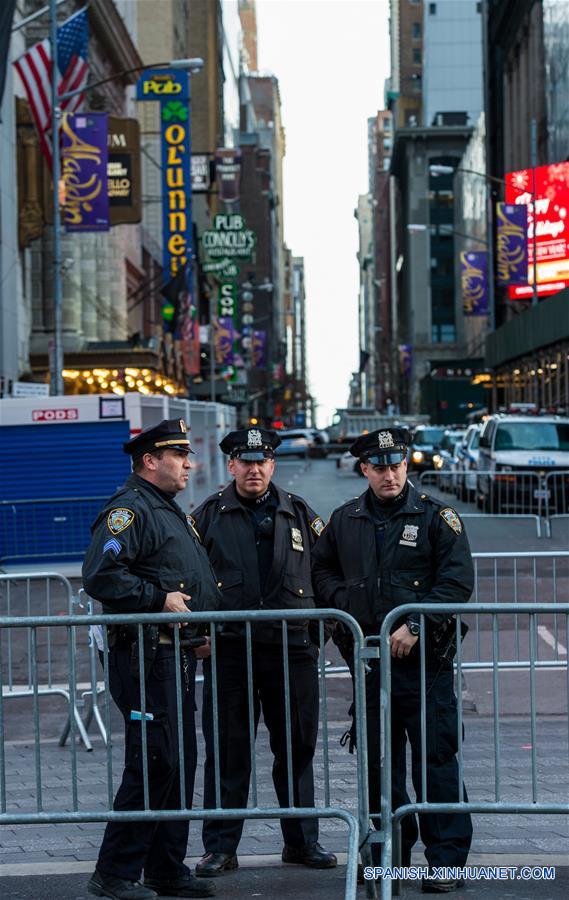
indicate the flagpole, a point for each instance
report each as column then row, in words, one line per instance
column 56, row 355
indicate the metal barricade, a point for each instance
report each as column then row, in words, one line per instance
column 24, row 597
column 523, row 578
column 506, row 794
column 66, row 804
column 47, row 528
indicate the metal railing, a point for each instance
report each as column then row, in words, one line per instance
column 529, row 494
column 23, row 597
column 390, row 834
column 68, row 806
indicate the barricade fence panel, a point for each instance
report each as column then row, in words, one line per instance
column 60, row 798
column 516, row 750
column 502, row 491
column 57, row 528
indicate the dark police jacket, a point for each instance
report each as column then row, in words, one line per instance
column 143, row 546
column 425, row 558
column 229, row 538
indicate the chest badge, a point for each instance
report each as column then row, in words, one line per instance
column 296, row 536
column 409, row 536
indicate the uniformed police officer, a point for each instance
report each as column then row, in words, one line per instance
column 259, row 539
column 145, row 556
column 391, row 546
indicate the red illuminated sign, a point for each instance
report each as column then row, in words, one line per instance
column 552, row 226
column 54, row 415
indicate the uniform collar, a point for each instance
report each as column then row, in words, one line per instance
column 154, row 494
column 414, row 503
column 229, row 500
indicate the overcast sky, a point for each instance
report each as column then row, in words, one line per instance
column 331, row 58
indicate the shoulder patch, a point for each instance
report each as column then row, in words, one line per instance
column 112, row 545
column 119, row 519
column 192, row 523
column 452, row 519
column 318, row 526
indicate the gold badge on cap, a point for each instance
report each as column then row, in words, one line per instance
column 183, row 426
column 296, row 535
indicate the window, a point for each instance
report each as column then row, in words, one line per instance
column 417, row 57
column 432, row 9
column 443, row 334
column 479, row 7
column 416, row 30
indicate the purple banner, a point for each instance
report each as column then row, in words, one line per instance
column 512, row 243
column 84, row 158
column 224, row 336
column 259, row 350
column 405, row 360
column 474, row 280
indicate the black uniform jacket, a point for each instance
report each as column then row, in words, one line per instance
column 143, row 546
column 228, row 535
column 427, row 562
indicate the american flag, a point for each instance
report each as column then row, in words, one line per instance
column 35, row 70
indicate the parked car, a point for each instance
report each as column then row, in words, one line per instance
column 425, row 443
column 347, row 463
column 527, row 461
column 445, row 460
column 298, row 442
column 468, row 453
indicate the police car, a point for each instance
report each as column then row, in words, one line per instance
column 523, row 463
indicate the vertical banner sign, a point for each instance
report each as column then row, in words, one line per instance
column 190, row 338
column 224, row 336
column 474, row 280
column 228, row 173
column 405, row 360
column 259, row 350
column 171, row 88
column 84, row 160
column 511, row 244
column 227, row 299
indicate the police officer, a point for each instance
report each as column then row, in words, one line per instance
column 259, row 539
column 391, row 546
column 145, row 556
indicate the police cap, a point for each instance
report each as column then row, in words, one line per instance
column 171, row 434
column 385, row 447
column 252, row 444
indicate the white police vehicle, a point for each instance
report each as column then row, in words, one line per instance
column 523, row 463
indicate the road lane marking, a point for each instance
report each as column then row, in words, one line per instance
column 546, row 635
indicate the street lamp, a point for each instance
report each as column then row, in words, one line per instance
column 436, row 169
column 192, row 66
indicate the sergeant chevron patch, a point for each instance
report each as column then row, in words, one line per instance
column 451, row 518
column 114, row 545
column 119, row 519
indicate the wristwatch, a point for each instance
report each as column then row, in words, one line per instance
column 413, row 627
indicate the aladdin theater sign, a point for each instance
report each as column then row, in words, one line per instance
column 170, row 88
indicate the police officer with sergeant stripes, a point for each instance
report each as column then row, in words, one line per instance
column 259, row 540
column 390, row 546
column 145, row 556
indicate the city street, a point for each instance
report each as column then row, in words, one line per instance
column 55, row 850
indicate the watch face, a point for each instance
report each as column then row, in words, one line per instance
column 413, row 628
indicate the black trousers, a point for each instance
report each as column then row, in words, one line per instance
column 223, row 836
column 447, row 837
column 157, row 847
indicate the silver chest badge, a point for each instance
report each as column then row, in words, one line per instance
column 254, row 438
column 409, row 536
column 296, row 535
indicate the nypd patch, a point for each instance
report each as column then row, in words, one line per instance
column 317, row 526
column 119, row 519
column 452, row 519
